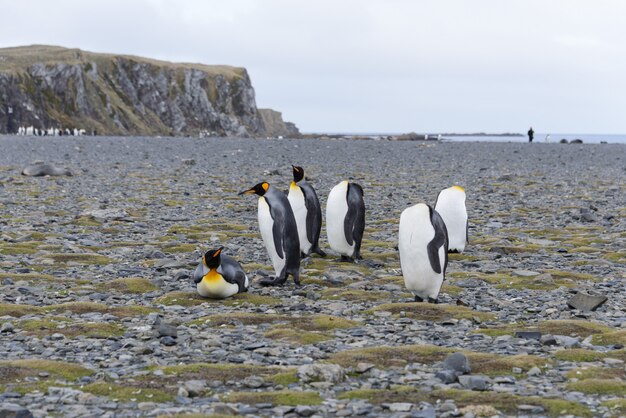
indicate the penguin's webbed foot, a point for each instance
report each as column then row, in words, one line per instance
column 346, row 259
column 319, row 252
column 418, row 299
column 431, row 300
column 303, row 255
column 453, row 251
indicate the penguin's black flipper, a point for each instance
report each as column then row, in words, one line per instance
column 467, row 232
column 240, row 280
column 357, row 206
column 440, row 239
column 199, row 273
column 277, row 230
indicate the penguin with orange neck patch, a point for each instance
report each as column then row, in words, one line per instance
column 219, row 276
column 280, row 233
column 307, row 211
column 450, row 205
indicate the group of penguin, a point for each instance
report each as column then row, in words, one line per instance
column 290, row 226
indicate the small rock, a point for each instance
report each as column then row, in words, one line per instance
column 304, row 410
column 534, row 371
column 457, row 362
column 613, row 361
column 324, row 372
column 447, row 376
column 525, row 273
column 548, row 340
column 11, row 410
column 528, row 335
column 182, row 392
column 224, row 409
column 253, row 382
column 195, row 388
column 57, row 336
column 567, row 342
column 163, row 329
column 532, row 409
column 7, row 327
column 363, row 367
column 475, row 382
column 400, row 407
column 585, row 302
column 168, row 341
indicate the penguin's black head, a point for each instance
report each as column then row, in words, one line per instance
column 212, row 258
column 259, row 189
column 298, row 173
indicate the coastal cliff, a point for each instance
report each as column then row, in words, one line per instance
column 54, row 87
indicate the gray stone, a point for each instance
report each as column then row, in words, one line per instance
column 324, row 372
column 304, row 410
column 6, row 327
column 11, row 410
column 163, row 329
column 548, row 340
column 534, row 371
column 525, row 273
column 447, row 376
column 253, row 382
column 585, row 302
column 224, row 409
column 457, row 362
column 567, row 342
column 528, row 335
column 195, row 387
column 363, row 367
column 400, row 407
column 475, row 382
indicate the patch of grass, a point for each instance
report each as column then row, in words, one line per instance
column 308, row 323
column 384, row 357
column 80, row 308
column 461, row 257
column 599, row 386
column 579, row 355
column 230, row 372
column 433, row 312
column 85, row 258
column 281, row 397
column 127, row 393
column 18, row 248
column 27, row 276
column 297, row 336
column 13, row 370
column 179, row 248
column 610, row 338
column 616, row 257
column 585, row 373
column 131, row 285
column 355, row 295
column 571, row 275
column 17, row 311
column 504, row 402
column 47, row 326
column 494, row 365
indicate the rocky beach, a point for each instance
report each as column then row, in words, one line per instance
column 99, row 315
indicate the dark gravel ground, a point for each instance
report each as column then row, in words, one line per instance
column 98, row 316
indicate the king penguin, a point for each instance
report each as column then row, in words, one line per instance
column 345, row 220
column 307, row 211
column 279, row 231
column 219, row 276
column 451, row 206
column 423, row 246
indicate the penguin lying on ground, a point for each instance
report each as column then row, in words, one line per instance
column 219, row 276
column 307, row 211
column 423, row 246
column 279, row 231
column 41, row 169
column 345, row 220
column 450, row 204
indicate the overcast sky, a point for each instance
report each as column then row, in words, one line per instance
column 374, row 65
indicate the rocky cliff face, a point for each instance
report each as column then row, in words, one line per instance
column 52, row 87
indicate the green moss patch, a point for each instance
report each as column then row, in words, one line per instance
column 585, row 373
column 384, row 357
column 281, row 397
column 298, row 336
column 433, row 312
column 179, row 248
column 80, row 308
column 617, row 407
column 599, row 386
column 610, row 338
column 10, row 371
column 130, row 285
column 49, row 326
column 495, row 365
column 17, row 311
column 230, row 372
column 306, row 323
column 85, row 258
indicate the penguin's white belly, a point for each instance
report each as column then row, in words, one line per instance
column 266, row 224
column 214, row 286
column 419, row 277
column 455, row 218
column 296, row 200
column 336, row 211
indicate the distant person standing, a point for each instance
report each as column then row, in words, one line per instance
column 531, row 133
column 548, row 138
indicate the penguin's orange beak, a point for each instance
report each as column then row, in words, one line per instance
column 249, row 191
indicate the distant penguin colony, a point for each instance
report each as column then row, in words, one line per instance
column 219, row 276
column 451, row 206
column 307, row 211
column 32, row 131
column 345, row 220
column 279, row 231
column 290, row 227
column 423, row 247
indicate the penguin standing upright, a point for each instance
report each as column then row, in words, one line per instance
column 307, row 211
column 279, row 231
column 219, row 276
column 423, row 246
column 345, row 220
column 450, row 205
